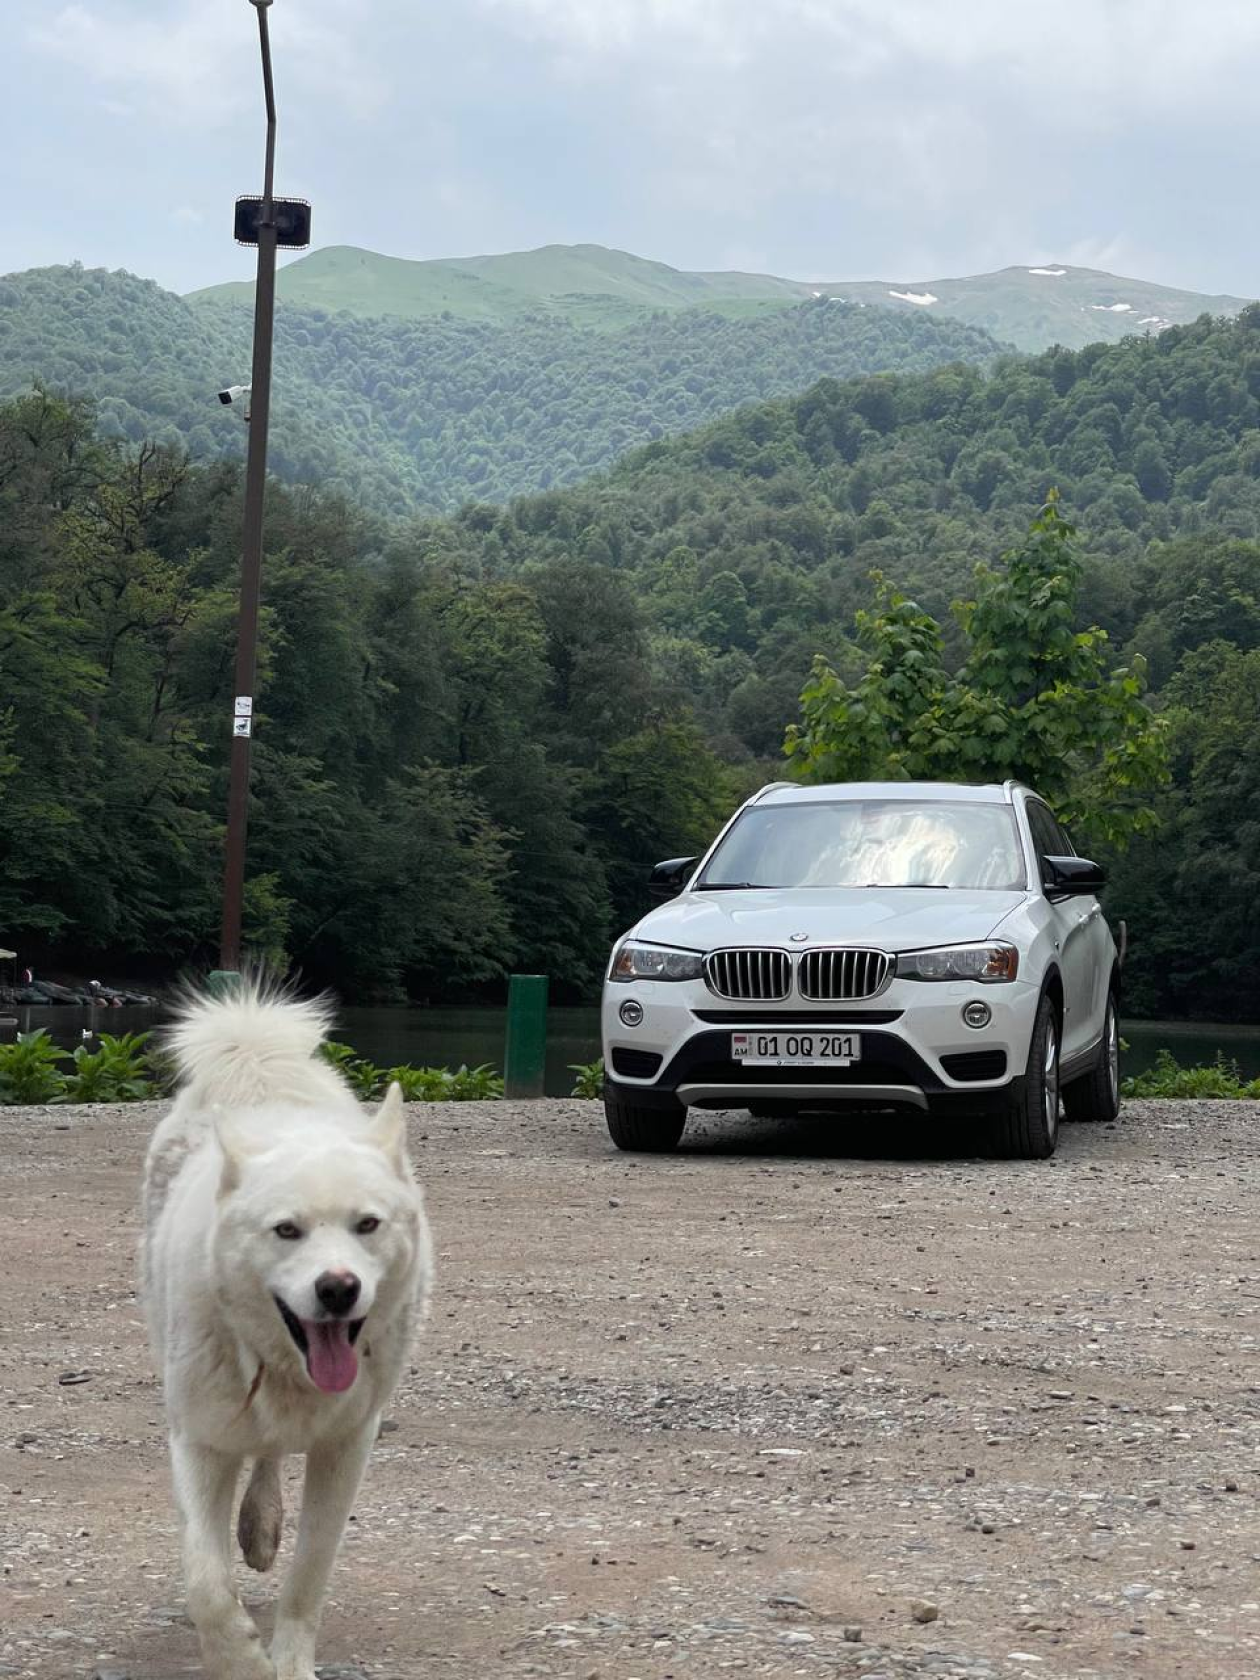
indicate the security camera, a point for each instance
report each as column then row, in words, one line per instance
column 234, row 393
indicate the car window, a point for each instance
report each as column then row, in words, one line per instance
column 871, row 843
column 1049, row 840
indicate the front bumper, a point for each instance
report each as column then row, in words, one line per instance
column 916, row 1053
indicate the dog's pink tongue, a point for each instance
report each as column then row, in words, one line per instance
column 331, row 1361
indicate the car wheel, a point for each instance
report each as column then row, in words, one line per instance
column 1029, row 1129
column 1096, row 1095
column 652, row 1131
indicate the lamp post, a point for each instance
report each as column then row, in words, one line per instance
column 264, row 222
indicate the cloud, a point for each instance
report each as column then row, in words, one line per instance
column 197, row 61
column 829, row 139
column 1067, row 49
column 937, row 136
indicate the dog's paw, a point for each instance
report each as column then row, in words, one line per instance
column 294, row 1668
column 258, row 1531
column 261, row 1515
column 238, row 1659
column 293, row 1651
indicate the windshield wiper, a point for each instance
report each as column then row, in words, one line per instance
column 733, row 886
column 910, row 886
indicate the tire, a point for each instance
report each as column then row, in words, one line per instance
column 1095, row 1096
column 1029, row 1128
column 650, row 1131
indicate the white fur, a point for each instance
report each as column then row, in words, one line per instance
column 262, row 1135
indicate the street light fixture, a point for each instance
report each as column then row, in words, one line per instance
column 255, row 223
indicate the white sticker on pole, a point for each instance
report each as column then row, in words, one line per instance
column 244, row 705
column 242, row 726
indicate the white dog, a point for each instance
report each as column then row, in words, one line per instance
column 286, row 1263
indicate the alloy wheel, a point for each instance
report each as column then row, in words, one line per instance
column 1050, row 1082
column 1113, row 1055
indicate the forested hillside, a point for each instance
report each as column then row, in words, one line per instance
column 750, row 544
column 751, row 541
column 476, row 732
column 450, row 771
column 431, row 413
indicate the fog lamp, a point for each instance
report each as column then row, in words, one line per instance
column 977, row 1014
column 631, row 1013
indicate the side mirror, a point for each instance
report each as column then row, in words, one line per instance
column 668, row 879
column 1072, row 876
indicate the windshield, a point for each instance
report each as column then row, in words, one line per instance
column 870, row 843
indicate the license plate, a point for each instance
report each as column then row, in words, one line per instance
column 796, row 1049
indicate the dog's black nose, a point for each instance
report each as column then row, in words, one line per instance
column 337, row 1291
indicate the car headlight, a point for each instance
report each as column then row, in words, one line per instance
column 655, row 962
column 987, row 963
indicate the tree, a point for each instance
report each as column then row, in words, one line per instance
column 1034, row 699
column 1191, row 891
column 660, row 793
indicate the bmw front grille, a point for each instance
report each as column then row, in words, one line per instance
column 828, row 976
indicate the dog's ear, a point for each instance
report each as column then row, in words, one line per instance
column 388, row 1129
column 234, row 1146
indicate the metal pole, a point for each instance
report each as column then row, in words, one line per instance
column 525, row 1057
column 251, row 556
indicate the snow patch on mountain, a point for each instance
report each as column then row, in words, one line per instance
column 915, row 297
column 1055, row 272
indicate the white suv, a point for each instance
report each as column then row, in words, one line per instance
column 914, row 946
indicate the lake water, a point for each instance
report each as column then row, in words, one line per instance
column 447, row 1037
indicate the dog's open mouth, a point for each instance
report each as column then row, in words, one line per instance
column 327, row 1345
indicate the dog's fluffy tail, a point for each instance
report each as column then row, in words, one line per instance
column 251, row 1044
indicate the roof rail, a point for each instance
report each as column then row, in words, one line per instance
column 771, row 787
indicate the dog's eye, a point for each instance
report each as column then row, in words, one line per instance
column 365, row 1227
column 288, row 1230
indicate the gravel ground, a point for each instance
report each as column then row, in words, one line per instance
column 804, row 1399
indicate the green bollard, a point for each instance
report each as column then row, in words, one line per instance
column 525, row 1058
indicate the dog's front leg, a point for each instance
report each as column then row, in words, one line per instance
column 333, row 1474
column 205, row 1481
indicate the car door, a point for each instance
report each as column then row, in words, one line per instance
column 1076, row 922
column 1102, row 951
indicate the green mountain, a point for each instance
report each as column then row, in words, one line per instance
column 428, row 413
column 1033, row 308
column 1029, row 307
column 585, row 283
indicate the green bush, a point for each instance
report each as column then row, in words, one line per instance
column 1218, row 1081
column 120, row 1071
column 418, row 1084
column 123, row 1070
column 366, row 1080
column 363, row 1077
column 479, row 1084
column 590, row 1078
column 29, row 1071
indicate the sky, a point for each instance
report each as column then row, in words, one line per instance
column 820, row 139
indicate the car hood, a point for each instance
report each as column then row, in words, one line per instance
column 893, row 920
